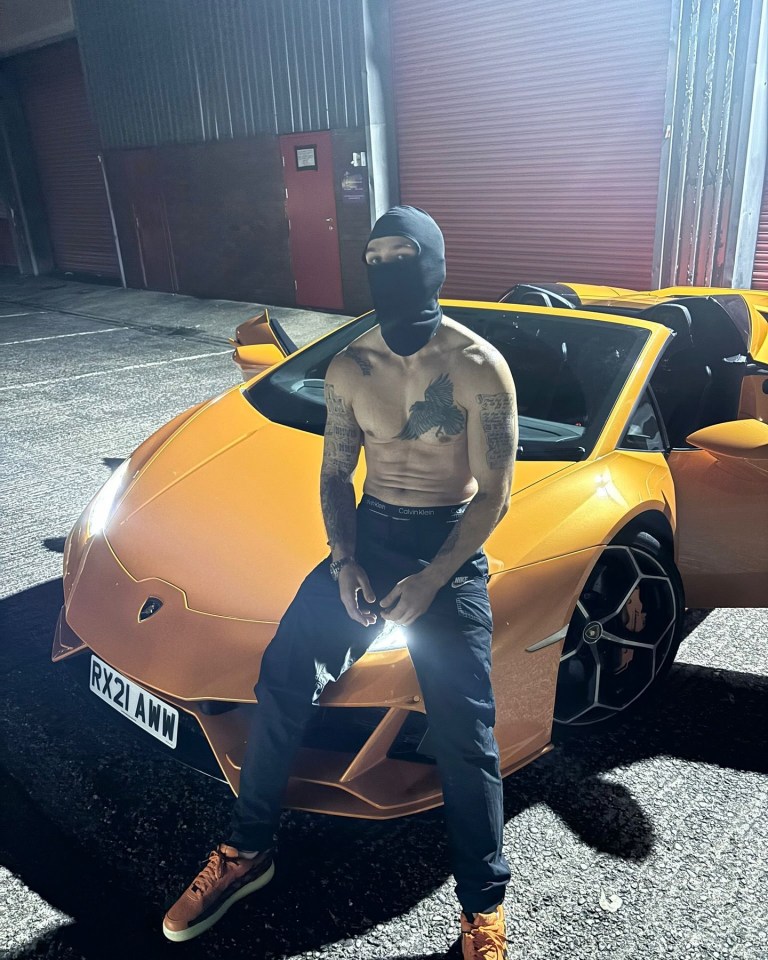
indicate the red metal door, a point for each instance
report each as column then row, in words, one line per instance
column 154, row 266
column 310, row 203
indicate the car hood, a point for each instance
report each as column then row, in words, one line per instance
column 228, row 511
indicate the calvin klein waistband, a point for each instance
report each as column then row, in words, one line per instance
column 395, row 512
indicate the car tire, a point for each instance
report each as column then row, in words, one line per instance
column 623, row 636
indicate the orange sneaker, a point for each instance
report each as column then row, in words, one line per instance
column 485, row 938
column 225, row 879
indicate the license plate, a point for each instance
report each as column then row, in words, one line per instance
column 134, row 702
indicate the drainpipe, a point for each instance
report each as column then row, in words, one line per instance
column 379, row 109
column 747, row 219
column 116, row 238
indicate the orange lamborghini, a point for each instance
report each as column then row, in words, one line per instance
column 641, row 487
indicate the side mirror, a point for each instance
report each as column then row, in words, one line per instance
column 256, row 330
column 257, row 357
column 736, row 439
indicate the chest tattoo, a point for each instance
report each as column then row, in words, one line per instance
column 436, row 411
column 363, row 362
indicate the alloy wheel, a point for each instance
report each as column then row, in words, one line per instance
column 623, row 634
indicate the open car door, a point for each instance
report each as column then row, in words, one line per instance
column 712, row 387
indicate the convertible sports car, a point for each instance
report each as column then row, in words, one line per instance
column 641, row 487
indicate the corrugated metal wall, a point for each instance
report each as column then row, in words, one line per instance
column 533, row 133
column 760, row 274
column 174, row 71
column 712, row 101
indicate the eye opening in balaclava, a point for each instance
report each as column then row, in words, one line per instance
column 405, row 291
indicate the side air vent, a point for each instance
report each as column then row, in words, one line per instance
column 212, row 708
column 345, row 729
column 412, row 743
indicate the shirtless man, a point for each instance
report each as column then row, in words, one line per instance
column 434, row 406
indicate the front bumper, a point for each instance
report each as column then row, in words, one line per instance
column 192, row 749
column 371, row 762
column 365, row 753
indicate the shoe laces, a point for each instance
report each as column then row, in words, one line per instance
column 212, row 872
column 488, row 941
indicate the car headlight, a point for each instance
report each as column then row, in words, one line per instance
column 102, row 503
column 392, row 637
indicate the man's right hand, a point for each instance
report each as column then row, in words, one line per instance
column 353, row 580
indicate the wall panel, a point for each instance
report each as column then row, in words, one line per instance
column 711, row 100
column 201, row 70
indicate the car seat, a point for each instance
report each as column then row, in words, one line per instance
column 544, row 295
column 698, row 380
column 546, row 387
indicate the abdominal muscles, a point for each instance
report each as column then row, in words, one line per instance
column 415, row 473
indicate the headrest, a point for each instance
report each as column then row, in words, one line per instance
column 545, row 295
column 677, row 317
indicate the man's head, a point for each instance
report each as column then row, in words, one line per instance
column 405, row 257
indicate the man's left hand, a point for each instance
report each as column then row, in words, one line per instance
column 409, row 599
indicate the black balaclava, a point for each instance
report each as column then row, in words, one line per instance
column 405, row 291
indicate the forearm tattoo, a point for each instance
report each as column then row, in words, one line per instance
column 337, row 500
column 453, row 537
column 497, row 415
column 340, row 455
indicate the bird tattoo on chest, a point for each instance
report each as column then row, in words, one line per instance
column 436, row 411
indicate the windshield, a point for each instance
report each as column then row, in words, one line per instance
column 568, row 373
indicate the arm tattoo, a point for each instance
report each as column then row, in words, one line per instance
column 342, row 435
column 335, row 404
column 337, row 501
column 453, row 537
column 340, row 455
column 363, row 362
column 497, row 415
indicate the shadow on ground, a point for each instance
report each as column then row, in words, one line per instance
column 109, row 833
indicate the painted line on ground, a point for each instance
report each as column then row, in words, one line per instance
column 58, row 336
column 151, row 329
column 104, row 373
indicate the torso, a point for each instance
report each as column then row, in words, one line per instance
column 413, row 415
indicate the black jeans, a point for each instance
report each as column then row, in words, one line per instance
column 450, row 646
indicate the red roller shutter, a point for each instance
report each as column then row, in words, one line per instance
column 760, row 273
column 533, row 133
column 66, row 147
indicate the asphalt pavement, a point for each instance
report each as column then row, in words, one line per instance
column 648, row 842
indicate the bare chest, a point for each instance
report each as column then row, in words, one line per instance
column 397, row 410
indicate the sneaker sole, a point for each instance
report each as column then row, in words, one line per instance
column 179, row 936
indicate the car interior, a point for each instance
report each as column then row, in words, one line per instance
column 559, row 372
column 698, row 380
